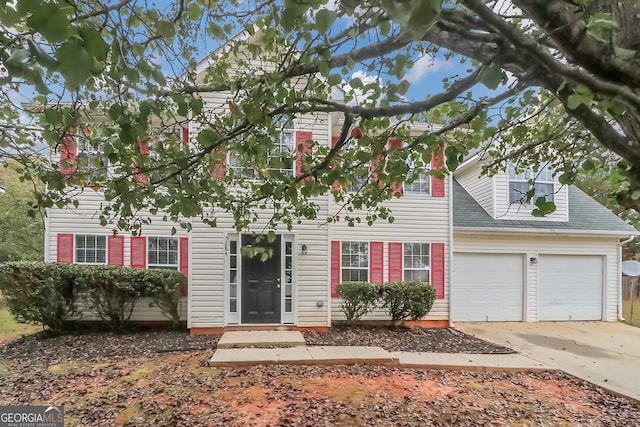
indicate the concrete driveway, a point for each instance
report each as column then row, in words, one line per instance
column 606, row 354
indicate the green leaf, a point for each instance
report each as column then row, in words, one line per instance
column 574, row 101
column 323, row 68
column 334, row 79
column 490, row 76
column 75, row 63
column 94, row 43
column 51, row 22
column 166, row 29
column 324, row 20
column 41, row 56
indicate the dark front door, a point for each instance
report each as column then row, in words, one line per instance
column 261, row 283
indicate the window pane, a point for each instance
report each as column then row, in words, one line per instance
column 163, row 258
column 287, row 262
column 173, row 257
column 233, row 276
column 233, row 261
column 101, row 256
column 153, row 258
column 287, row 305
column 163, row 244
column 233, row 291
column 153, row 243
column 90, row 256
column 233, row 246
column 233, row 306
column 173, row 244
column 102, row 242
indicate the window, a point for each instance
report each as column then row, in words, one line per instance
column 281, row 158
column 91, row 249
column 91, row 161
column 422, row 184
column 288, row 277
column 519, row 184
column 358, row 181
column 416, row 262
column 162, row 253
column 355, row 261
column 233, row 276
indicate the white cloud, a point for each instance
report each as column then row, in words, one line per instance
column 425, row 65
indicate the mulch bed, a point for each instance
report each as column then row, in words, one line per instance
column 445, row 340
column 96, row 346
column 100, row 345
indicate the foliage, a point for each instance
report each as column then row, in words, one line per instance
column 39, row 293
column 407, row 300
column 54, row 294
column 357, row 299
column 539, row 81
column 21, row 230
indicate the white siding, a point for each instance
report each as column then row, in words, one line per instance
column 479, row 187
column 209, row 259
column 503, row 210
column 418, row 219
column 85, row 219
column 533, row 246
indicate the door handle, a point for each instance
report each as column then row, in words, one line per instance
column 278, row 286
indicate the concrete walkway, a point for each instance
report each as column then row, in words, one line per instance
column 242, row 348
column 604, row 353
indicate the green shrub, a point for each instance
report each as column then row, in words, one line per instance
column 407, row 300
column 165, row 287
column 39, row 293
column 50, row 293
column 111, row 292
column 358, row 299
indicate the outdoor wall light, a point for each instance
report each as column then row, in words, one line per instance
column 319, row 304
column 533, row 260
column 303, row 249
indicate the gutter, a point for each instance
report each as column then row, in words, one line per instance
column 620, row 245
column 553, row 231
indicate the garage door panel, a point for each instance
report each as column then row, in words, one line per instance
column 488, row 287
column 570, row 287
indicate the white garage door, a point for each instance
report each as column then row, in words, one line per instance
column 487, row 287
column 570, row 287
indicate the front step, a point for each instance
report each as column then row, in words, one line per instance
column 243, row 339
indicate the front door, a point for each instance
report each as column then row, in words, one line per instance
column 261, row 283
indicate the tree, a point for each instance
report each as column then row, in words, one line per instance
column 562, row 81
column 21, row 230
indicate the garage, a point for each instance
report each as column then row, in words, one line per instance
column 570, row 287
column 487, row 287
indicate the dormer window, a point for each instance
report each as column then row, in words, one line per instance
column 521, row 182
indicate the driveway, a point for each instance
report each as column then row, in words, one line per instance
column 604, row 353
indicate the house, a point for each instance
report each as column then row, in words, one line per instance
column 469, row 236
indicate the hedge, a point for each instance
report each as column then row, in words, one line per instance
column 49, row 293
column 401, row 300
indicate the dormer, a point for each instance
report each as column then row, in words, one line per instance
column 504, row 195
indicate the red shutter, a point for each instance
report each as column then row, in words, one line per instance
column 396, row 188
column 141, row 178
column 395, row 262
column 116, row 250
column 437, row 268
column 184, row 262
column 68, row 165
column 303, row 148
column 65, row 248
column 376, row 264
column 336, row 187
column 375, row 174
column 437, row 163
column 219, row 169
column 184, row 136
column 138, row 252
column 335, row 266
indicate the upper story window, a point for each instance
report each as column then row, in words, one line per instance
column 91, row 161
column 422, row 184
column 355, row 261
column 519, row 184
column 416, row 262
column 281, row 157
column 91, row 249
column 357, row 181
column 163, row 252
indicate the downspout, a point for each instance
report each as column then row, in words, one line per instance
column 620, row 245
column 451, row 323
column 47, row 229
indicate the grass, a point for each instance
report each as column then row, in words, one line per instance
column 10, row 329
column 626, row 311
